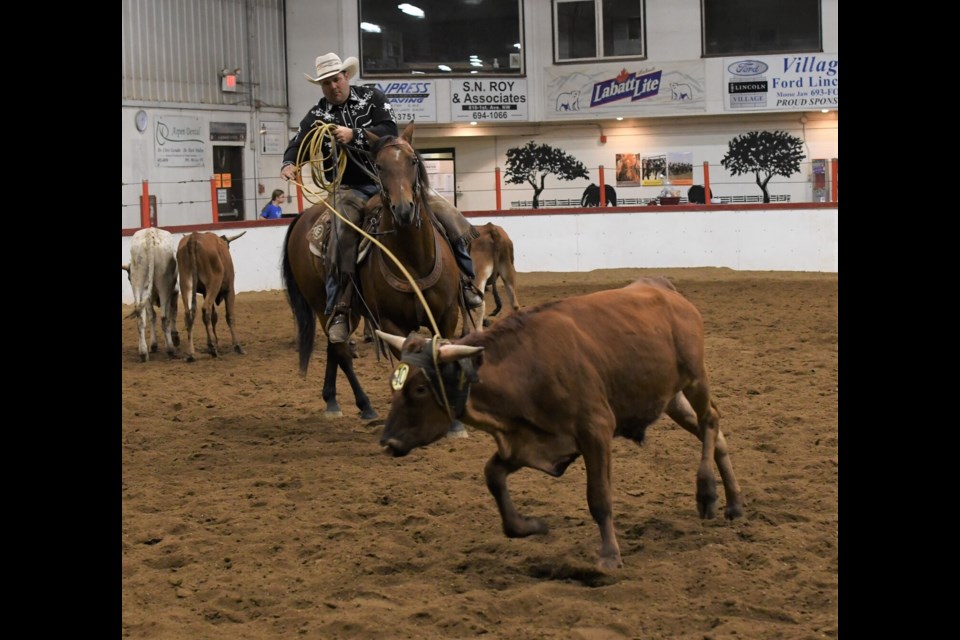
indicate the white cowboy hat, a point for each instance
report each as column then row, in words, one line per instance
column 329, row 65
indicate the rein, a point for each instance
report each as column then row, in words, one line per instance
column 384, row 196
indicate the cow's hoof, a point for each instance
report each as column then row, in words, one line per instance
column 610, row 564
column 237, row 348
column 706, row 496
column 190, row 359
column 526, row 527
column 153, row 348
column 368, row 414
column 733, row 511
column 707, row 507
column 176, row 339
column 143, row 357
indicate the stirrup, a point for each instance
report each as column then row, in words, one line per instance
column 338, row 327
column 471, row 297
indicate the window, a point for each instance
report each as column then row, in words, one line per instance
column 440, row 37
column 598, row 29
column 754, row 27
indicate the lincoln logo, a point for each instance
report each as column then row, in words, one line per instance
column 747, row 68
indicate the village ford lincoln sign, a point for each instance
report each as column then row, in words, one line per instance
column 793, row 82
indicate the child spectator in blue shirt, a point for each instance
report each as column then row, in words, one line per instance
column 272, row 210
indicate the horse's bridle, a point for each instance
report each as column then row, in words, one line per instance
column 384, row 197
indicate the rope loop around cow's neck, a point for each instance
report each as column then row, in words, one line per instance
column 435, row 351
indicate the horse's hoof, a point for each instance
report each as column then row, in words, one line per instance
column 237, row 348
column 733, row 511
column 176, row 339
column 330, row 415
column 368, row 414
column 457, row 430
column 143, row 357
column 153, row 348
column 190, row 359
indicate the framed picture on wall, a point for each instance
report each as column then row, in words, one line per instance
column 628, row 170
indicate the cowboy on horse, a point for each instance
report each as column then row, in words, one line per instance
column 352, row 110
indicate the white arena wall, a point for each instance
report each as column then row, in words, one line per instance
column 802, row 239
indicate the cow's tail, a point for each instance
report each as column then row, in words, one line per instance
column 302, row 311
column 143, row 291
column 193, row 243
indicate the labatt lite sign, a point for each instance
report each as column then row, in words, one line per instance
column 611, row 91
column 626, row 86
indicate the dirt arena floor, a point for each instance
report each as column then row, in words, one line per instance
column 246, row 515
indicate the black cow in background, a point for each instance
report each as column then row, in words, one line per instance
column 591, row 196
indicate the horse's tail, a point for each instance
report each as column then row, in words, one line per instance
column 302, row 312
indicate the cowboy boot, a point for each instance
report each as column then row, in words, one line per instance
column 471, row 297
column 338, row 327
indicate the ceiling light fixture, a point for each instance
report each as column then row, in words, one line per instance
column 411, row 10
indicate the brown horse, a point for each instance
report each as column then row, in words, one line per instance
column 408, row 230
column 404, row 228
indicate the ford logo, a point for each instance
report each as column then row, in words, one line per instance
column 747, row 68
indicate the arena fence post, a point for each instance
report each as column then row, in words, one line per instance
column 213, row 200
column 603, row 189
column 496, row 186
column 706, row 183
column 145, row 206
column 834, row 176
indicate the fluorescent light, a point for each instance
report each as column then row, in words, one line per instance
column 418, row 73
column 474, row 71
column 411, row 10
column 619, row 117
column 473, row 124
column 444, row 67
column 369, row 27
column 824, row 110
column 476, row 63
column 516, row 44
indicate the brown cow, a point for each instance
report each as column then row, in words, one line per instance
column 561, row 380
column 206, row 268
column 492, row 254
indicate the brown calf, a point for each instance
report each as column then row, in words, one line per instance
column 492, row 254
column 206, row 268
column 561, row 380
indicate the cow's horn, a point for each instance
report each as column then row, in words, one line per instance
column 451, row 352
column 394, row 341
column 232, row 238
column 125, row 267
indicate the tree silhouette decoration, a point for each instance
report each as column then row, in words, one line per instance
column 532, row 163
column 771, row 153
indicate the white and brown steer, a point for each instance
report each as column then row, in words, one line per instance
column 561, row 380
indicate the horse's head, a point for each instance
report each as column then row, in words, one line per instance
column 403, row 178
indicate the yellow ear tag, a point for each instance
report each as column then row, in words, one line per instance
column 400, row 376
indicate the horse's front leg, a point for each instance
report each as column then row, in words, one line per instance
column 345, row 360
column 330, row 383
